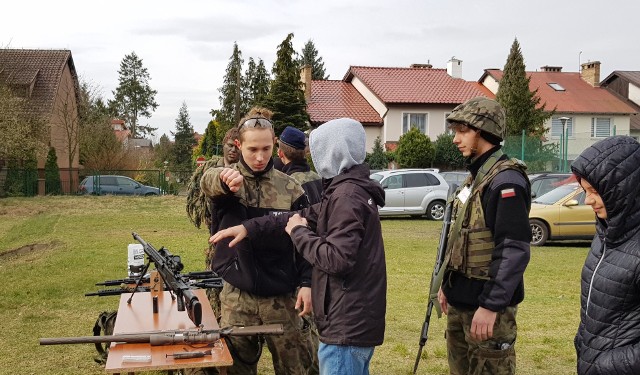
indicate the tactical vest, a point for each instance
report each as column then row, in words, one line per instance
column 470, row 244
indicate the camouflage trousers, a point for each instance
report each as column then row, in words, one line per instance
column 295, row 352
column 495, row 356
column 212, row 294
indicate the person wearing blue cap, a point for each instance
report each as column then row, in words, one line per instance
column 292, row 151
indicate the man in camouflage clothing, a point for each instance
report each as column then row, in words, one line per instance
column 266, row 281
column 200, row 208
column 292, row 151
column 488, row 247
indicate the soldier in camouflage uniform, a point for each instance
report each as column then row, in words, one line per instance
column 292, row 151
column 262, row 275
column 200, row 208
column 488, row 247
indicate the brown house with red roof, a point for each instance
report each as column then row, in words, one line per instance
column 591, row 112
column 389, row 101
column 49, row 79
column 626, row 85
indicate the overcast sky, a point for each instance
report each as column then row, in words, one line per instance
column 186, row 45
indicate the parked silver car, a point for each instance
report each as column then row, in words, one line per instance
column 116, row 185
column 414, row 192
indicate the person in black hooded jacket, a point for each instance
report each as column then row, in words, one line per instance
column 342, row 239
column 608, row 338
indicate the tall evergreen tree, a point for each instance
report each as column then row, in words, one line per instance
column 183, row 141
column 209, row 143
column 286, row 98
column 52, row 173
column 523, row 108
column 163, row 151
column 231, row 108
column 133, row 97
column 257, row 83
column 309, row 56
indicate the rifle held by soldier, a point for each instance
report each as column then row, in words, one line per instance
column 438, row 272
column 156, row 338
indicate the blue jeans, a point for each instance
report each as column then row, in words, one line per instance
column 344, row 360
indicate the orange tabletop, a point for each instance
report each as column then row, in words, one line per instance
column 139, row 317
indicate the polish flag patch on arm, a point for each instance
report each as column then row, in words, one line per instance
column 508, row 193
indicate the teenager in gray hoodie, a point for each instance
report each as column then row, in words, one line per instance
column 342, row 239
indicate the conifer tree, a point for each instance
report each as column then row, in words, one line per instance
column 209, row 143
column 231, row 107
column 377, row 159
column 523, row 108
column 286, row 98
column 183, row 141
column 133, row 97
column 309, row 56
column 163, row 151
column 257, row 83
column 52, row 173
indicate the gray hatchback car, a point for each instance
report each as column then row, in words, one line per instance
column 115, row 185
column 414, row 192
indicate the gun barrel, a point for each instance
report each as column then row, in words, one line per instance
column 128, row 338
column 169, row 337
column 437, row 272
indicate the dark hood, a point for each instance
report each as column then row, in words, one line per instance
column 612, row 167
column 359, row 175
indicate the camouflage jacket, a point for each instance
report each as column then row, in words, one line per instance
column 271, row 265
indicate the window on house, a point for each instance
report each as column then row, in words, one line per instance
column 447, row 131
column 415, row 120
column 600, row 127
column 556, row 127
column 556, row 86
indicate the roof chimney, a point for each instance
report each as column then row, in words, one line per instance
column 422, row 66
column 590, row 72
column 454, row 67
column 548, row 68
column 305, row 81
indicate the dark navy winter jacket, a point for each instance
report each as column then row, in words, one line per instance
column 608, row 339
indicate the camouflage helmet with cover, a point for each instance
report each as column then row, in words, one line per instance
column 481, row 113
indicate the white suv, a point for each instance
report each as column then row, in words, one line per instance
column 414, row 192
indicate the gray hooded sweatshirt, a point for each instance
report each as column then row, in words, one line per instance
column 333, row 154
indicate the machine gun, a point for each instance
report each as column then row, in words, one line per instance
column 438, row 273
column 188, row 337
column 169, row 267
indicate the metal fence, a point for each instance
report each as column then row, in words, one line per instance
column 554, row 154
column 30, row 182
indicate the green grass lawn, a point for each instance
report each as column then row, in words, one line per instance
column 53, row 250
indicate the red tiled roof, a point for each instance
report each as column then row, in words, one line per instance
column 416, row 85
column 578, row 97
column 335, row 99
column 22, row 66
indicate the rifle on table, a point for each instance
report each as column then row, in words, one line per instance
column 204, row 284
column 169, row 267
column 198, row 275
column 438, row 273
column 156, row 338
